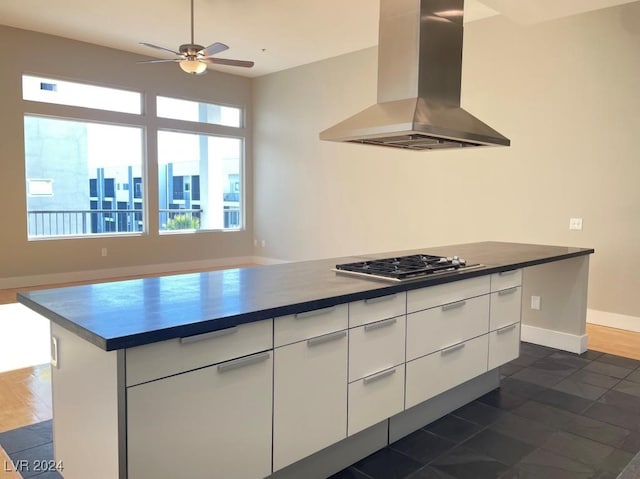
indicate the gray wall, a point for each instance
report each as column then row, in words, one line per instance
column 565, row 92
column 48, row 55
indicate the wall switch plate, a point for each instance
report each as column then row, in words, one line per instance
column 575, row 224
column 103, row 251
column 535, row 302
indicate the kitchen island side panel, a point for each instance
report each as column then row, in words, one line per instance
column 87, row 392
column 560, row 321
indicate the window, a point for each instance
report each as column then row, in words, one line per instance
column 47, row 90
column 83, row 160
column 216, row 162
column 177, row 109
column 86, row 166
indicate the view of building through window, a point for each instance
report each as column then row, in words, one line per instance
column 199, row 181
column 82, row 177
column 87, row 177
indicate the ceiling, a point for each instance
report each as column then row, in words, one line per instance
column 276, row 34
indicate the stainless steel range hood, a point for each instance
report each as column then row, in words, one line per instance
column 419, row 77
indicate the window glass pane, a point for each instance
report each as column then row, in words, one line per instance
column 200, row 112
column 86, row 166
column 47, row 90
column 200, row 182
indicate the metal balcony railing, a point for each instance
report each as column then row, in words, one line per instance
column 45, row 223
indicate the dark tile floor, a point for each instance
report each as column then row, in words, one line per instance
column 556, row 415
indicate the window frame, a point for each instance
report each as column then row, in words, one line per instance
column 151, row 124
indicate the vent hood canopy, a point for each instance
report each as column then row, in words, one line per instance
column 419, row 78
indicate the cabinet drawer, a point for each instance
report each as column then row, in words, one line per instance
column 157, row 360
column 376, row 309
column 376, row 346
column 437, row 328
column 504, row 345
column 433, row 374
column 297, row 327
column 505, row 307
column 375, row 398
column 430, row 297
column 506, row 279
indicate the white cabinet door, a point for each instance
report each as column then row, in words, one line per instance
column 504, row 345
column 505, row 307
column 433, row 374
column 375, row 347
column 375, row 398
column 310, row 397
column 213, row 422
column 440, row 327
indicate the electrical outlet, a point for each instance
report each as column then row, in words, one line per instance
column 264, row 243
column 536, row 302
column 575, row 224
column 255, row 242
column 104, row 252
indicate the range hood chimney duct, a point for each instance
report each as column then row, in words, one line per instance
column 419, row 78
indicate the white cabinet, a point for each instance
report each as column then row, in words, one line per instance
column 433, row 296
column 431, row 375
column 310, row 396
column 211, row 422
column 376, row 371
column 376, row 309
column 437, row 328
column 447, row 337
column 506, row 307
column 376, row 346
column 504, row 345
column 375, row 397
column 166, row 358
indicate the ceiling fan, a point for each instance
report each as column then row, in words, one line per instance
column 193, row 58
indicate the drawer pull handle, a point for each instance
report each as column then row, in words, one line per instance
column 504, row 292
column 453, row 348
column 380, row 299
column 315, row 312
column 326, row 338
column 242, row 362
column 459, row 304
column 506, row 328
column 507, row 273
column 377, row 377
column 380, row 324
column 211, row 335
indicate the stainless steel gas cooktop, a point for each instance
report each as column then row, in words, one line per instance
column 405, row 268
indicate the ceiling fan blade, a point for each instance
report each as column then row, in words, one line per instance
column 214, row 48
column 160, row 61
column 228, row 61
column 159, row 48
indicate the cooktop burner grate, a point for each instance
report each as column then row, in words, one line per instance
column 405, row 267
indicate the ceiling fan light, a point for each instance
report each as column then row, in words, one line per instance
column 193, row 66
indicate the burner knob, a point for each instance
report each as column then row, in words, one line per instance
column 463, row 261
column 449, row 258
column 444, row 260
column 455, row 258
column 455, row 262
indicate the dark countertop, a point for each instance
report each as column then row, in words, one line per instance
column 131, row 313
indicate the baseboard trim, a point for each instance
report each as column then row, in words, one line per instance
column 554, row 339
column 613, row 320
column 130, row 271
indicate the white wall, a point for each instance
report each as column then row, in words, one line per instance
column 565, row 92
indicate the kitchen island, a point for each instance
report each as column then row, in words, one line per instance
column 289, row 370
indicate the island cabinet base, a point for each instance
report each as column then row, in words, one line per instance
column 341, row 455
